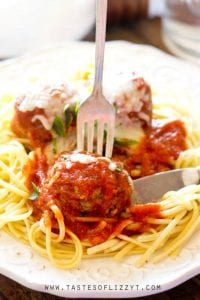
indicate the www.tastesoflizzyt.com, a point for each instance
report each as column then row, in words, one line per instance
column 102, row 287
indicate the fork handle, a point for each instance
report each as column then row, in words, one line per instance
column 101, row 17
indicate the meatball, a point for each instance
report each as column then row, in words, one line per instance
column 24, row 126
column 81, row 184
column 131, row 96
column 35, row 112
column 133, row 102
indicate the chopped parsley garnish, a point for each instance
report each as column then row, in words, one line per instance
column 71, row 111
column 125, row 142
column 58, row 126
column 119, row 168
column 68, row 118
column 35, row 192
column 76, row 108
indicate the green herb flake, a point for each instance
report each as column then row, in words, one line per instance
column 71, row 111
column 125, row 142
column 35, row 192
column 68, row 118
column 76, row 109
column 58, row 126
column 119, row 168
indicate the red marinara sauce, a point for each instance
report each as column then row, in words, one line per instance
column 36, row 169
column 157, row 151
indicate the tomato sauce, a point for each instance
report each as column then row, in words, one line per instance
column 157, row 151
column 140, row 212
column 36, row 170
column 136, row 222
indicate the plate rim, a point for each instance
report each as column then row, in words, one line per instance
column 34, row 286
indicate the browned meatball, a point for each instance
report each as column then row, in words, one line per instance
column 24, row 126
column 37, row 110
column 133, row 102
column 81, row 184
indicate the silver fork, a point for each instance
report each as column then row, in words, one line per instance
column 96, row 113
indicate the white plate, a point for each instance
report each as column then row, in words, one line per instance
column 101, row 277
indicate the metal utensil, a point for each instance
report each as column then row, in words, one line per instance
column 152, row 188
column 96, row 115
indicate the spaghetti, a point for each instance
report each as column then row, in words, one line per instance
column 151, row 231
